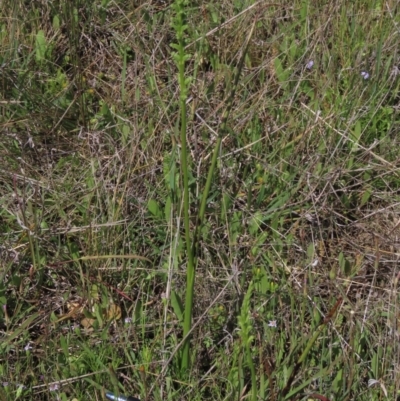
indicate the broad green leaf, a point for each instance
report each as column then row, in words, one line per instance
column 366, row 196
column 64, row 346
column 281, row 73
column 167, row 210
column 344, row 264
column 41, row 46
column 338, row 381
column 56, row 22
column 177, row 305
column 153, row 207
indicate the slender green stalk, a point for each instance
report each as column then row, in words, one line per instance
column 246, row 329
column 192, row 251
column 180, row 58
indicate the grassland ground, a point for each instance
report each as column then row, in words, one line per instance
column 296, row 257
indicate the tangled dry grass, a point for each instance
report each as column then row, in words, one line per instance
column 305, row 203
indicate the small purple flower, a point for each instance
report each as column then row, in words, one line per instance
column 365, row 74
column 54, row 387
column 272, row 323
column 310, row 65
column 128, row 320
column 395, row 71
column 5, row 384
column 28, row 347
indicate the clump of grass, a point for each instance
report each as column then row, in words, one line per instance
column 299, row 210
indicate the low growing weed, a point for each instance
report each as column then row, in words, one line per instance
column 199, row 200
